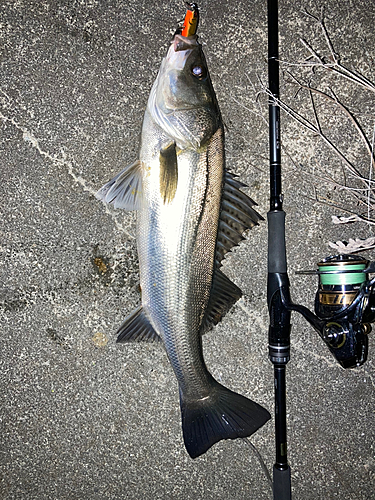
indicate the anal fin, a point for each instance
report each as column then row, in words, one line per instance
column 137, row 328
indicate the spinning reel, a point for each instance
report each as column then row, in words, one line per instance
column 344, row 307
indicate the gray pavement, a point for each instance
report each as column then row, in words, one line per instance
column 82, row 417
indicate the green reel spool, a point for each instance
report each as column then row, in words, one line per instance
column 340, row 278
column 342, row 270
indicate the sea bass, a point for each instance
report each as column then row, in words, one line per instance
column 190, row 213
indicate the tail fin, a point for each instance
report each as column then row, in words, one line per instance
column 222, row 415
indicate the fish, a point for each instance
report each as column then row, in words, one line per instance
column 191, row 212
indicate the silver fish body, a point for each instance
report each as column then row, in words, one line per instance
column 190, row 212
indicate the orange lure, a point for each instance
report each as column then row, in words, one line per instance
column 191, row 20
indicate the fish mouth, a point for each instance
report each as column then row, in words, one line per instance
column 180, row 49
column 181, row 43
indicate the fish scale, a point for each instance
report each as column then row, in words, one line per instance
column 190, row 213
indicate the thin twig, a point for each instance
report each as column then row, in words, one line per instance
column 370, row 173
column 335, row 56
column 256, row 113
column 307, row 124
column 326, row 201
column 315, row 113
column 336, row 101
column 336, row 66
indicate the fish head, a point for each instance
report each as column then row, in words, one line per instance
column 186, row 83
column 183, row 101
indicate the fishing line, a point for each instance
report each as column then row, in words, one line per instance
column 260, row 459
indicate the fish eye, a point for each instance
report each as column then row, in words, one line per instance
column 199, row 72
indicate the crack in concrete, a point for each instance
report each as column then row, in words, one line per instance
column 256, row 319
column 328, row 360
column 64, row 162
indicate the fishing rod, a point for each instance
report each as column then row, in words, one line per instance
column 344, row 302
column 278, row 281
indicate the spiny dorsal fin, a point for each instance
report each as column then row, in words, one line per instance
column 136, row 328
column 168, row 173
column 224, row 293
column 125, row 189
column 236, row 216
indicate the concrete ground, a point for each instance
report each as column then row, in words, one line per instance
column 82, row 417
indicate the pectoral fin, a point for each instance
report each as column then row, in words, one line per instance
column 168, row 173
column 125, row 189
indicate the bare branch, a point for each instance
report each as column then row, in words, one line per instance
column 354, row 179
column 257, row 113
column 310, row 126
column 350, row 115
column 315, row 113
column 336, row 65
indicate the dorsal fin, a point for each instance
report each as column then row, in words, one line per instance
column 236, row 216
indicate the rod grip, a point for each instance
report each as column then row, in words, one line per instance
column 276, row 242
column 282, row 489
